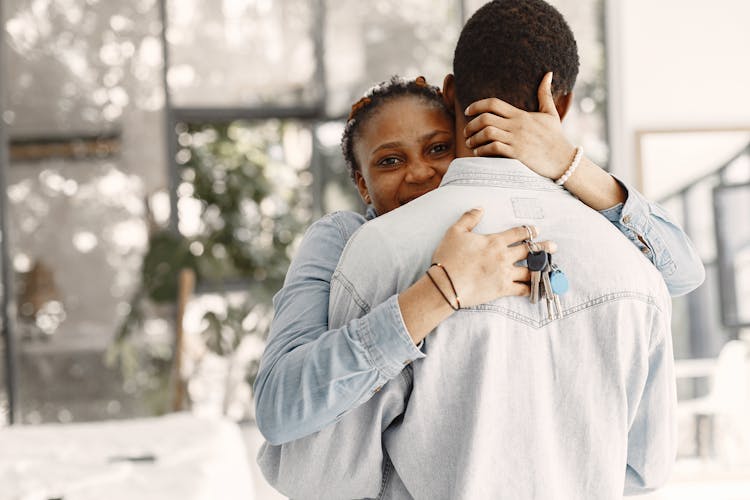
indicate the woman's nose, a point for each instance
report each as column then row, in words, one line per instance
column 419, row 171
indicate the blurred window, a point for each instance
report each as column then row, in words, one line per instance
column 118, row 181
column 242, row 53
column 84, row 116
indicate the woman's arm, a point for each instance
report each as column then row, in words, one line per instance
column 537, row 140
column 650, row 228
column 310, row 375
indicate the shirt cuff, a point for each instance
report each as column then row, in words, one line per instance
column 386, row 339
column 634, row 219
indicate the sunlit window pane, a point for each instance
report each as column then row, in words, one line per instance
column 77, row 234
column 85, row 123
column 80, row 66
column 367, row 42
column 242, row 53
column 734, row 242
column 244, row 197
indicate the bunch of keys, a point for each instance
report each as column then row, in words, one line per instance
column 547, row 280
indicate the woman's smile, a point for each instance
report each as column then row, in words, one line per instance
column 404, row 151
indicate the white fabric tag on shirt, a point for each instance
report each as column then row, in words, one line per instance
column 527, row 208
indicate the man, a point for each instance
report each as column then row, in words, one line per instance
column 507, row 402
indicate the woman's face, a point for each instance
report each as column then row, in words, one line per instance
column 403, row 151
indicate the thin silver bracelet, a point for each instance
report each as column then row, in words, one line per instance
column 573, row 166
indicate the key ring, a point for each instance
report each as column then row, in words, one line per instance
column 528, row 230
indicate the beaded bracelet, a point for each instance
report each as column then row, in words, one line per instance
column 458, row 301
column 573, row 166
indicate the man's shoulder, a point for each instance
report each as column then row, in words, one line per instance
column 409, row 230
column 388, row 253
column 605, row 265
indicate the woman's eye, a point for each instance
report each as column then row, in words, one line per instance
column 439, row 148
column 389, row 161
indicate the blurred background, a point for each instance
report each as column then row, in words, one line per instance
column 160, row 161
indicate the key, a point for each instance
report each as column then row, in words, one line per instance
column 536, row 262
column 558, row 306
column 558, row 284
column 535, row 283
column 549, row 294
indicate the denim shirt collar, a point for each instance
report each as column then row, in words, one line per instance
column 495, row 171
column 491, row 170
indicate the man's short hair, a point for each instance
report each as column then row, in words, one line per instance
column 507, row 47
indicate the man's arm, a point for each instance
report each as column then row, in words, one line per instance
column 652, row 438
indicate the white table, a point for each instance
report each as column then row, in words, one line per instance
column 178, row 457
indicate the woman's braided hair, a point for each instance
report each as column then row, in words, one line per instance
column 366, row 107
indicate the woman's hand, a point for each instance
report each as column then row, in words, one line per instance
column 483, row 266
column 535, row 139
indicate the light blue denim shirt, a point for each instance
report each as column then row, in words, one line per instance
column 311, row 374
column 507, row 403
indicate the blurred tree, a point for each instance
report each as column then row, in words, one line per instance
column 243, row 202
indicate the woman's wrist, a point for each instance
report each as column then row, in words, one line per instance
column 563, row 158
column 594, row 186
column 574, row 162
column 423, row 307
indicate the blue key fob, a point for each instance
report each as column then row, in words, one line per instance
column 559, row 282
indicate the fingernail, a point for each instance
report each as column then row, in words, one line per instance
column 466, row 111
column 468, row 143
column 475, row 152
column 478, row 209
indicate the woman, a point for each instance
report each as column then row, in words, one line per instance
column 398, row 143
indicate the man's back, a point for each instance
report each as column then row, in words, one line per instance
column 507, row 403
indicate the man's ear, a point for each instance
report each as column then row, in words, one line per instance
column 362, row 188
column 563, row 104
column 449, row 91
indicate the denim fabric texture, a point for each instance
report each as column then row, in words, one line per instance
column 313, row 404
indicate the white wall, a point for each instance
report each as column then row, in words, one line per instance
column 676, row 64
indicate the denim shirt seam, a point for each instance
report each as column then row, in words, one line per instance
column 640, row 211
column 588, row 304
column 378, row 358
column 349, row 287
column 403, row 333
column 387, row 476
column 518, row 182
column 642, row 226
column 374, row 354
column 337, row 218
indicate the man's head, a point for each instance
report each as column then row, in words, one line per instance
column 507, row 47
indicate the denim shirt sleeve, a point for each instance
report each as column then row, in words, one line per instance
column 311, row 375
column 650, row 228
column 652, row 437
